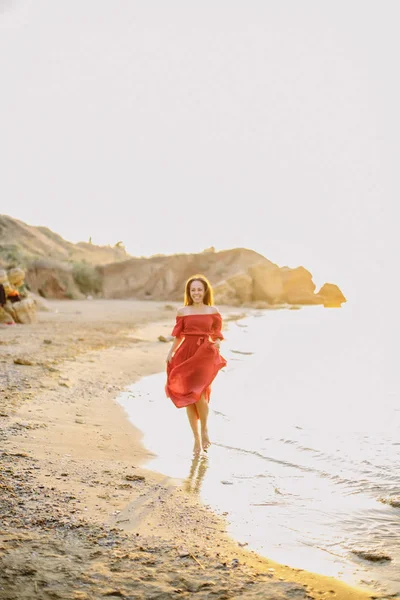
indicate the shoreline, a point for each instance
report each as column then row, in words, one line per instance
column 68, row 437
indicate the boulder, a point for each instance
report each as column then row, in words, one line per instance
column 8, row 288
column 41, row 303
column 331, row 296
column 10, row 310
column 16, row 276
column 25, row 311
column 166, row 338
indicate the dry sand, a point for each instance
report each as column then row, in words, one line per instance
column 80, row 517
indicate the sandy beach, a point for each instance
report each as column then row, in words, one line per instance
column 81, row 516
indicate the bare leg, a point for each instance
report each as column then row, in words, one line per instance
column 202, row 409
column 194, row 424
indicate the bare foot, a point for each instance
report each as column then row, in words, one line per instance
column 197, row 446
column 205, row 441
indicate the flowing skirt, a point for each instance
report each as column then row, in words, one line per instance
column 192, row 370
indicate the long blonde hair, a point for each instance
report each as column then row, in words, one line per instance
column 208, row 291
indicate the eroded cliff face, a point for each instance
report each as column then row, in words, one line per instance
column 263, row 285
column 56, row 268
column 53, row 280
column 164, row 277
column 240, row 277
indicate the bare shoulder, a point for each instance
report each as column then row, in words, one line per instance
column 215, row 311
column 182, row 311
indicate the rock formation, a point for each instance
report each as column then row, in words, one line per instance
column 270, row 285
column 58, row 269
column 17, row 305
column 163, row 277
column 239, row 277
column 331, row 295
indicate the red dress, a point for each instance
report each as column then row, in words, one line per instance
column 197, row 361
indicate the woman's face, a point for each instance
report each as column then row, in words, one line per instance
column 197, row 291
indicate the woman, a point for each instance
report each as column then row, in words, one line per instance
column 194, row 359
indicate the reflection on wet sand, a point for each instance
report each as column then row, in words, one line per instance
column 192, row 484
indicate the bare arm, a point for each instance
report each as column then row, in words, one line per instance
column 216, row 336
column 175, row 344
column 178, row 338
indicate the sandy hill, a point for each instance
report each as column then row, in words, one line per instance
column 59, row 269
column 22, row 243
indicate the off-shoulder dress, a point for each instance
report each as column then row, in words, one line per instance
column 197, row 361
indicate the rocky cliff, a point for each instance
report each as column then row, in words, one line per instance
column 59, row 269
column 239, row 277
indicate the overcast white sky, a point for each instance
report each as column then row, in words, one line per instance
column 177, row 125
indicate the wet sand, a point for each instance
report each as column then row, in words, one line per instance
column 81, row 517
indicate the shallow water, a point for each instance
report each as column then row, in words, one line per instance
column 305, row 429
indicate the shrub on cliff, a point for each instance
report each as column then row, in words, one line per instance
column 87, row 278
column 11, row 256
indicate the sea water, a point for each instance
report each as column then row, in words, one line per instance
column 305, row 423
